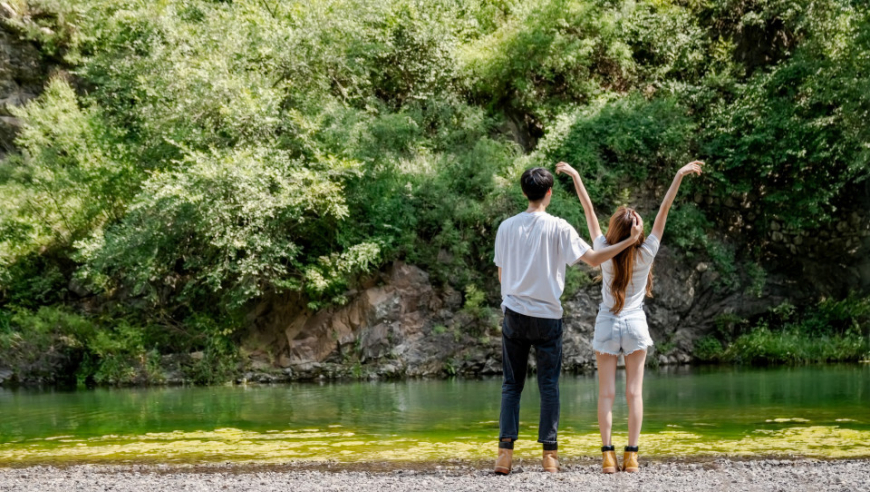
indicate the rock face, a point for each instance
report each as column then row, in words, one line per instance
column 686, row 304
column 23, row 73
column 400, row 325
column 396, row 325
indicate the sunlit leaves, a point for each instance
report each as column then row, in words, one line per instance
column 236, row 223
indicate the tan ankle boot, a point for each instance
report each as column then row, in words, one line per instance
column 504, row 463
column 551, row 461
column 629, row 459
column 609, row 465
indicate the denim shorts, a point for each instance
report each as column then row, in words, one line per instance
column 626, row 332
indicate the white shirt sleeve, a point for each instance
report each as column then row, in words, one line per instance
column 571, row 246
column 599, row 242
column 650, row 246
column 499, row 246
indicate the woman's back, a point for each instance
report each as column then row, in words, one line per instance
column 636, row 288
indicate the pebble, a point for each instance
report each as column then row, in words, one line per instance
column 721, row 474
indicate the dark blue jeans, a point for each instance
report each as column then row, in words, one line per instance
column 519, row 334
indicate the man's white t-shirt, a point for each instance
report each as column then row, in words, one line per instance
column 636, row 289
column 532, row 250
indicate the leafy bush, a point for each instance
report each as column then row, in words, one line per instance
column 45, row 346
column 68, row 180
column 621, row 142
column 791, row 346
column 827, row 332
column 548, row 52
column 575, row 279
column 61, row 346
column 232, row 223
column 707, row 349
column 792, row 136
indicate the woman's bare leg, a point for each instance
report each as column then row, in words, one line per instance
column 633, row 394
column 606, row 394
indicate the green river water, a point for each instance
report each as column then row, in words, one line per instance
column 821, row 411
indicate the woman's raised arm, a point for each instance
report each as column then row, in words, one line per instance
column 694, row 167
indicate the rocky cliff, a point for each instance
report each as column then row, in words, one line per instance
column 23, row 71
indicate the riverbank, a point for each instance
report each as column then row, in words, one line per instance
column 720, row 474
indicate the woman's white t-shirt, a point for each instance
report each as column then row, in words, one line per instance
column 533, row 250
column 636, row 289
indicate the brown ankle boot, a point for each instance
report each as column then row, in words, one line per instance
column 504, row 463
column 551, row 461
column 629, row 459
column 609, row 465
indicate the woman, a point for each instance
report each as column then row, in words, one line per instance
column 621, row 323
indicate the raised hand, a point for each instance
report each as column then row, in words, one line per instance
column 564, row 167
column 694, row 167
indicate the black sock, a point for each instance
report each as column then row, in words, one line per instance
column 506, row 444
column 550, row 447
column 631, row 449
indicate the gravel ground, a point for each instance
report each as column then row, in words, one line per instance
column 767, row 475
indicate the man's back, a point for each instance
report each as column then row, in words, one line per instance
column 532, row 249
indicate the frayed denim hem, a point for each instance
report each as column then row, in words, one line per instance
column 605, row 352
column 642, row 347
column 620, row 351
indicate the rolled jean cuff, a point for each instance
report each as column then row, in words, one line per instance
column 506, row 444
column 550, row 446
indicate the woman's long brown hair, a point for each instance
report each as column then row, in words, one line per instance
column 623, row 263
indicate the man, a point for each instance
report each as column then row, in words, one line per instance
column 531, row 252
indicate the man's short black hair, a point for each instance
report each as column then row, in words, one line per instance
column 535, row 182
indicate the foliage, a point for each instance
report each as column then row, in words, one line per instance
column 791, row 136
column 830, row 331
column 201, row 155
column 219, row 355
column 475, row 307
column 575, row 279
column 624, row 140
column 57, row 345
column 763, row 346
column 233, row 223
column 53, row 343
column 547, row 53
column 67, row 181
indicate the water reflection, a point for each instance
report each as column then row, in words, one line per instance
column 710, row 410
